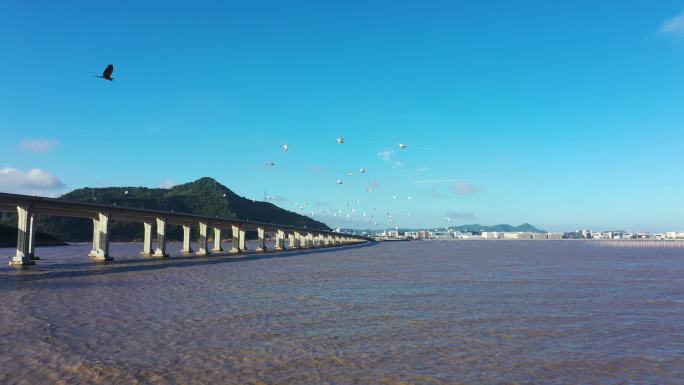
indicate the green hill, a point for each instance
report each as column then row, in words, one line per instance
column 8, row 237
column 204, row 196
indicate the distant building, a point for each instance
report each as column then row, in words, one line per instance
column 492, row 235
column 554, row 235
column 517, row 235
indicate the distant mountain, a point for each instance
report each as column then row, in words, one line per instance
column 525, row 227
column 204, row 196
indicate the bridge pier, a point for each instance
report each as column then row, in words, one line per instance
column 187, row 249
column 147, row 239
column 160, row 251
column 100, row 251
column 298, row 239
column 21, row 257
column 203, row 240
column 217, row 241
column 32, row 239
column 261, row 239
column 235, row 244
column 290, row 240
column 310, row 240
column 280, row 240
column 243, row 239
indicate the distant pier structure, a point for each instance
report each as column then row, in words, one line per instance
column 28, row 208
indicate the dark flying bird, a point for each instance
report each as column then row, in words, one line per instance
column 107, row 74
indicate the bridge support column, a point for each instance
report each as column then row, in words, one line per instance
column 187, row 249
column 100, row 250
column 235, row 244
column 21, row 258
column 298, row 239
column 310, row 240
column 203, row 239
column 217, row 240
column 32, row 239
column 261, row 239
column 160, row 251
column 147, row 240
column 243, row 239
column 291, row 241
column 280, row 240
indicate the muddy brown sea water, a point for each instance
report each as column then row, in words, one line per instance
column 420, row 312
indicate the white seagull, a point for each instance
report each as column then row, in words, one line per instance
column 269, row 164
column 340, row 140
column 402, row 146
column 339, row 181
column 285, row 147
column 362, row 170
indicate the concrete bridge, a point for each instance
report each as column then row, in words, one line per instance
column 286, row 237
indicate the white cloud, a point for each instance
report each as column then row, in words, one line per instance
column 463, row 187
column 168, row 183
column 34, row 181
column 278, row 198
column 386, row 155
column 38, row 144
column 674, row 26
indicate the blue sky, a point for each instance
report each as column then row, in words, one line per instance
column 560, row 114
